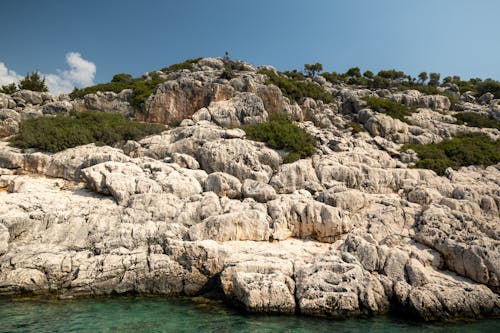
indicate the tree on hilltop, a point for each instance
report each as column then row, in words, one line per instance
column 434, row 79
column 34, row 82
column 422, row 77
column 313, row 69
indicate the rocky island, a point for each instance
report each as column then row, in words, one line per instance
column 360, row 226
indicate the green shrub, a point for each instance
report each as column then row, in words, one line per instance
column 474, row 119
column 296, row 89
column 464, row 150
column 356, row 127
column 188, row 64
column 8, row 89
column 110, row 86
column 122, row 77
column 142, row 88
column 281, row 133
column 54, row 134
column 488, row 85
column 33, row 81
column 392, row 109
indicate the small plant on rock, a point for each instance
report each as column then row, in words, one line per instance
column 33, row 81
column 280, row 133
column 392, row 109
column 57, row 133
column 464, row 150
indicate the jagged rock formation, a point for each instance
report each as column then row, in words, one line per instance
column 350, row 231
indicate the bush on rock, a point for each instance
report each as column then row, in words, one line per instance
column 54, row 134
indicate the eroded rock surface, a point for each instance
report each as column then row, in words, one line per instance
column 352, row 230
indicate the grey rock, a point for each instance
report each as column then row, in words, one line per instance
column 259, row 191
column 223, row 184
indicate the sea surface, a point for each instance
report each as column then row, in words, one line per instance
column 158, row 314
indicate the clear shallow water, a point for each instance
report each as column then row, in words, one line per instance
column 141, row 314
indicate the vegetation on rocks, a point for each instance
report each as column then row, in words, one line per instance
column 8, row 89
column 356, row 127
column 54, row 134
column 426, row 83
column 280, row 133
column 297, row 89
column 392, row 109
column 32, row 81
column 141, row 87
column 187, row 64
column 488, row 85
column 464, row 150
column 474, row 119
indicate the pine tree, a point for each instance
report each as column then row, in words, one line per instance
column 8, row 89
column 34, row 82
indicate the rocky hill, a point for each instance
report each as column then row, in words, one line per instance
column 352, row 230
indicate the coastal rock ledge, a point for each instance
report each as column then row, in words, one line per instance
column 351, row 231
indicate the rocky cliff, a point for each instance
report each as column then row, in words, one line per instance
column 352, row 230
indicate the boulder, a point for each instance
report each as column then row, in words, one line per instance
column 244, row 108
column 68, row 163
column 326, row 287
column 294, row 176
column 175, row 100
column 223, row 184
column 240, row 158
column 259, row 191
column 25, row 97
column 298, row 215
column 9, row 122
column 243, row 225
column 6, row 102
column 121, row 180
column 108, row 102
column 59, row 107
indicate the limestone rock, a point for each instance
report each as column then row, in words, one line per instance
column 294, row 176
column 108, row 102
column 185, row 161
column 324, row 288
column 259, row 191
column 6, row 102
column 9, row 122
column 68, row 164
column 240, row 158
column 180, row 183
column 29, row 97
column 243, row 225
column 59, row 107
column 244, row 108
column 223, row 184
column 299, row 216
column 179, row 99
column 265, row 292
column 121, row 180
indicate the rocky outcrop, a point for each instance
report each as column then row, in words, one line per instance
column 107, row 101
column 240, row 158
column 9, row 122
column 176, row 100
column 351, row 231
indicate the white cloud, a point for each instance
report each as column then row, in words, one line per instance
column 81, row 73
column 8, row 76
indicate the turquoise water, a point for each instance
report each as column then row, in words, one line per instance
column 141, row 314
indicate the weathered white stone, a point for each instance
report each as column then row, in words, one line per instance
column 223, row 184
column 259, row 191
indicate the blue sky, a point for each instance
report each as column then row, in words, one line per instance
column 65, row 39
